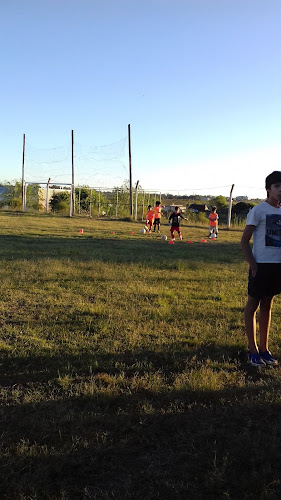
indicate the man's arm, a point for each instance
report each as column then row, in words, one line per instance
column 246, row 249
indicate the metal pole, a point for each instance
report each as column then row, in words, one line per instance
column 22, row 178
column 47, row 195
column 130, row 170
column 136, row 201
column 229, row 208
column 90, row 202
column 79, row 198
column 143, row 199
column 99, row 204
column 116, row 203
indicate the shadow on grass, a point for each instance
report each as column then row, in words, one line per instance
column 146, row 444
column 169, row 360
column 152, row 252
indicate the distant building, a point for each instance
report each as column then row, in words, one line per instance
column 170, row 208
column 241, row 198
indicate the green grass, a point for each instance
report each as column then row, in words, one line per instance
column 123, row 370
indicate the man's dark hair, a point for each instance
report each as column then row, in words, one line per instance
column 272, row 178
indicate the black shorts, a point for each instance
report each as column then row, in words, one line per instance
column 156, row 222
column 267, row 281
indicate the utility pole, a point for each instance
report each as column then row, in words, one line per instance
column 22, row 177
column 130, row 170
column 72, row 202
column 229, row 208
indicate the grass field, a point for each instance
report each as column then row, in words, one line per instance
column 122, row 369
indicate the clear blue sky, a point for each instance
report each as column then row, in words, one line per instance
column 198, row 80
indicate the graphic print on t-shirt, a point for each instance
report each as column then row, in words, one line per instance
column 273, row 231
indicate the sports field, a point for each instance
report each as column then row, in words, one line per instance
column 122, row 369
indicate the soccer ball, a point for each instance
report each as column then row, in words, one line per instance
column 142, row 231
column 164, row 237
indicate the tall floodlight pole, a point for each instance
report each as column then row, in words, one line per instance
column 22, row 177
column 130, row 170
column 72, row 181
column 229, row 208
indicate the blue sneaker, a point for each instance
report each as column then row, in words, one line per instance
column 256, row 359
column 268, row 358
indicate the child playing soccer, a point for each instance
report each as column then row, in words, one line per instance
column 157, row 215
column 213, row 224
column 175, row 217
column 149, row 218
column 264, row 223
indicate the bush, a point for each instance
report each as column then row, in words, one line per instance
column 242, row 207
column 60, row 202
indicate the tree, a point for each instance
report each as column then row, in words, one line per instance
column 220, row 202
column 12, row 197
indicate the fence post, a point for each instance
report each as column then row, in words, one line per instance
column 229, row 208
column 116, row 203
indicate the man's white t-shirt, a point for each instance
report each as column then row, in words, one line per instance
column 267, row 235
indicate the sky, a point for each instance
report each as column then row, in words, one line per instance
column 198, row 81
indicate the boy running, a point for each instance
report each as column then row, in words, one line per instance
column 264, row 223
column 175, row 217
column 149, row 218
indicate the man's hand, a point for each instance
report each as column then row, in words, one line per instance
column 254, row 269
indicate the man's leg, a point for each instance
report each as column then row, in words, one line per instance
column 264, row 321
column 250, row 323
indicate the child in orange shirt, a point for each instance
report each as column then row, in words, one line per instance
column 213, row 222
column 149, row 218
column 157, row 215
